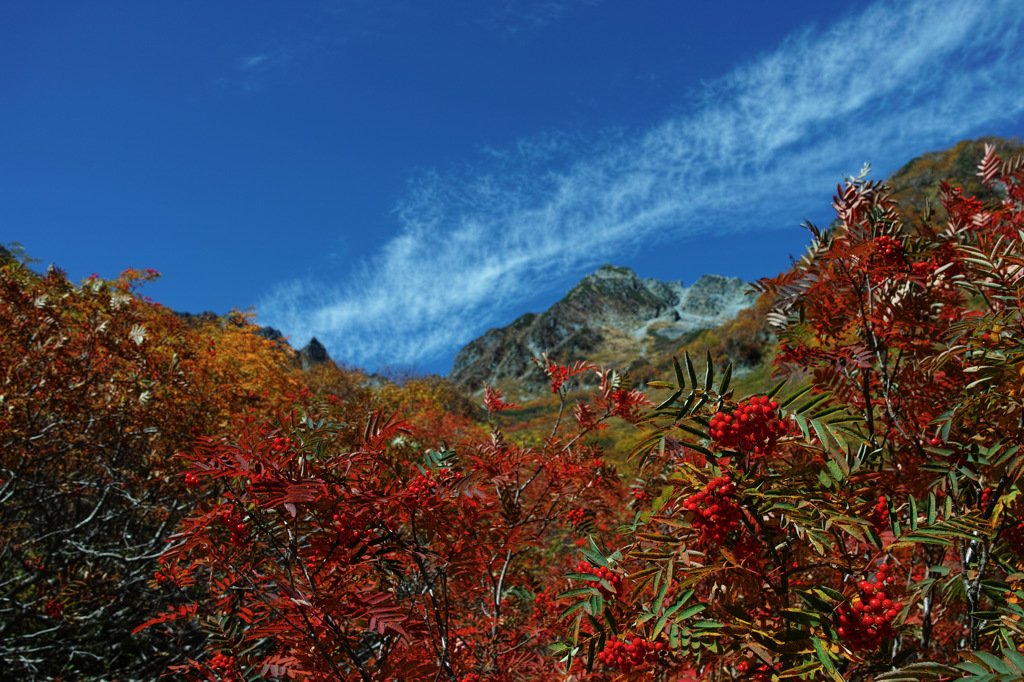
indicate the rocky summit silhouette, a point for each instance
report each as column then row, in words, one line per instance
column 611, row 316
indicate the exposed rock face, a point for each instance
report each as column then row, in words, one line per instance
column 313, row 353
column 272, row 334
column 609, row 315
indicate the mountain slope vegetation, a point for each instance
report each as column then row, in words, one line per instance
column 189, row 494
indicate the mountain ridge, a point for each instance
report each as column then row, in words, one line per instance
column 610, row 315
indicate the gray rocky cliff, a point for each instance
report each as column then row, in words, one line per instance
column 610, row 316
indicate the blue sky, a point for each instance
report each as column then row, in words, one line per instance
column 395, row 177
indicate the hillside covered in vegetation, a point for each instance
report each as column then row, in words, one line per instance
column 825, row 486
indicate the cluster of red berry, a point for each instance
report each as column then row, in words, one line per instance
column 219, row 660
column 348, row 535
column 867, row 621
column 604, row 575
column 762, row 673
column 890, row 263
column 191, row 480
column 626, row 654
column 962, row 209
column 577, row 518
column 303, row 393
column 986, row 498
column 888, row 247
column 715, row 515
column 239, row 531
column 224, row 663
column 880, row 514
column 627, row 404
column 558, row 376
column 543, row 603
column 421, row 489
column 923, row 268
column 753, row 425
column 471, row 677
column 280, row 444
column 165, row 573
column 54, row 609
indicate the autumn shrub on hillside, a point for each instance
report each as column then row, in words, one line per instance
column 98, row 389
column 331, row 548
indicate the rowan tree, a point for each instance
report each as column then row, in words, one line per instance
column 867, row 523
column 332, row 549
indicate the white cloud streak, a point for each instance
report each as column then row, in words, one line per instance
column 880, row 86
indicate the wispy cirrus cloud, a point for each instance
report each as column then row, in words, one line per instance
column 882, row 85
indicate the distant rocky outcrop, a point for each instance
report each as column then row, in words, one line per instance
column 312, row 354
column 271, row 334
column 612, row 316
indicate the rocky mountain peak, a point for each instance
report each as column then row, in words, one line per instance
column 313, row 353
column 611, row 316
